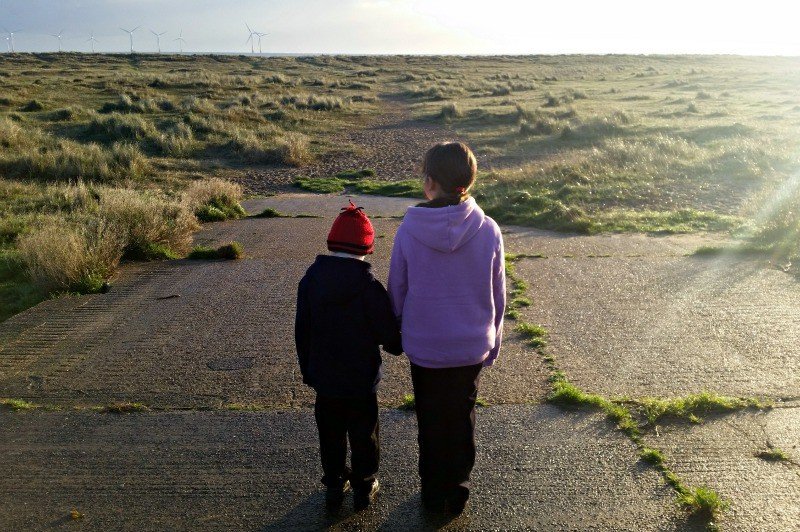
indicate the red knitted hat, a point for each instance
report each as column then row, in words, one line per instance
column 352, row 232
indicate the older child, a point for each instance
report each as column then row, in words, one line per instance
column 343, row 317
column 447, row 284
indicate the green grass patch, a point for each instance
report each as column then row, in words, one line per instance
column 535, row 335
column 270, row 213
column 520, row 302
column 407, row 403
column 231, row 251
column 321, row 185
column 217, row 211
column 651, row 456
column 480, row 401
column 693, row 406
column 17, row 405
column 703, row 502
column 335, row 185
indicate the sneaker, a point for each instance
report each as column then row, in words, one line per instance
column 335, row 495
column 362, row 498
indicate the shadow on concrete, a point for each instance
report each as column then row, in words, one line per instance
column 311, row 514
column 410, row 515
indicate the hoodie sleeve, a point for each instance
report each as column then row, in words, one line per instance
column 398, row 277
column 499, row 296
column 381, row 318
column 301, row 329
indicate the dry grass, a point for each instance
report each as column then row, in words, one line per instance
column 76, row 258
column 78, row 244
column 214, row 199
column 150, row 226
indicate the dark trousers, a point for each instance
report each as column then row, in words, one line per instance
column 340, row 417
column 445, row 404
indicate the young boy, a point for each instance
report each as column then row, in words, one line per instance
column 343, row 317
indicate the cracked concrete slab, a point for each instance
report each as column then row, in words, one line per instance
column 538, row 468
column 719, row 453
column 666, row 325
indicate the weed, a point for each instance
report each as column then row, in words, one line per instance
column 652, row 456
column 269, row 212
column 703, row 502
column 480, row 401
column 17, row 404
column 231, row 251
column 535, row 335
column 124, row 408
column 520, row 302
column 692, row 406
column 407, row 403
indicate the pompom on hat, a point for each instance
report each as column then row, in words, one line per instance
column 352, row 232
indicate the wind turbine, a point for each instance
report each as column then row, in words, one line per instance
column 130, row 34
column 250, row 39
column 181, row 40
column 58, row 36
column 259, row 39
column 92, row 40
column 158, row 38
column 10, row 39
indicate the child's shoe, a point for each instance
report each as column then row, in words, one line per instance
column 432, row 501
column 362, row 498
column 457, row 501
column 335, row 495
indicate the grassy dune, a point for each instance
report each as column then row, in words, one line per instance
column 91, row 144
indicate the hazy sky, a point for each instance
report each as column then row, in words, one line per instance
column 413, row 26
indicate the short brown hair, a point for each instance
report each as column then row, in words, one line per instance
column 452, row 165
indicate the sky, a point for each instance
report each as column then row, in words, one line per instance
column 766, row 27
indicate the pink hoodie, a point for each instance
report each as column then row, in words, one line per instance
column 447, row 283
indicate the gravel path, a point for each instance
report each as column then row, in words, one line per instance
column 392, row 143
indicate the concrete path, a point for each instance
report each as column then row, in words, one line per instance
column 627, row 316
column 537, row 469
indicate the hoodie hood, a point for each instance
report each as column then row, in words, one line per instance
column 339, row 279
column 445, row 229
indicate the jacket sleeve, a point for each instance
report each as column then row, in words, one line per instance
column 398, row 277
column 302, row 329
column 381, row 319
column 499, row 297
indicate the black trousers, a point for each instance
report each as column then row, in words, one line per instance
column 445, row 404
column 337, row 419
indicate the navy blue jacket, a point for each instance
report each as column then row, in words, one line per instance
column 343, row 317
